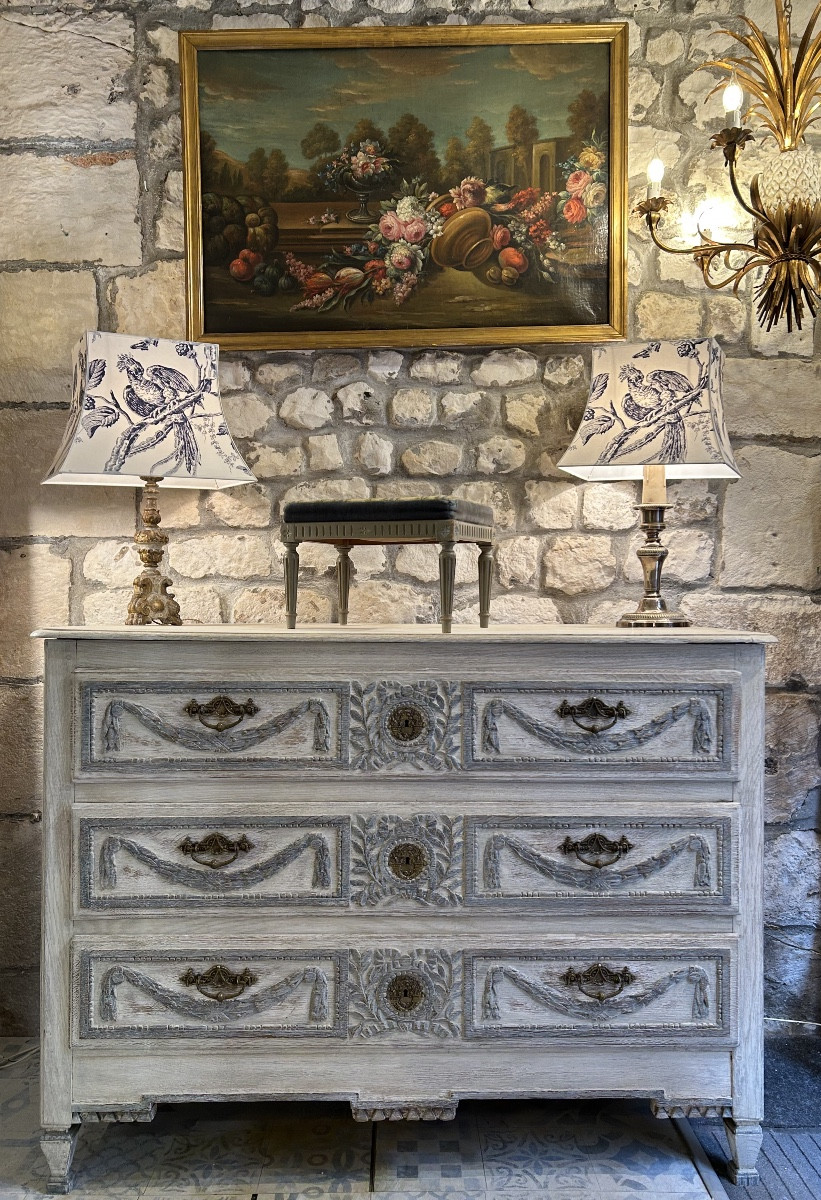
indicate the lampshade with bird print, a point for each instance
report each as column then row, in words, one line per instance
column 147, row 408
column 658, row 403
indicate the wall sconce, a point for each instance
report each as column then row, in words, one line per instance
column 785, row 198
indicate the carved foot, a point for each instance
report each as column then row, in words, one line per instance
column 745, row 1139
column 58, row 1150
column 424, row 1110
column 151, row 602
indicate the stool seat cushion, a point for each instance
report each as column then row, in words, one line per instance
column 423, row 508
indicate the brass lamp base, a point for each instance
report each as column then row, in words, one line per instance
column 151, row 603
column 652, row 610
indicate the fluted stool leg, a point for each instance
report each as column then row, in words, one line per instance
column 291, row 578
column 447, row 578
column 343, row 580
column 485, row 576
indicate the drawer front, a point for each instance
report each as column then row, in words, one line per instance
column 430, row 993
column 167, row 863
column 210, row 993
column 678, row 865
column 609, row 992
column 526, row 725
column 404, row 728
column 423, row 862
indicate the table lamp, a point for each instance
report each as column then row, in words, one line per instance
column 654, row 413
column 147, row 411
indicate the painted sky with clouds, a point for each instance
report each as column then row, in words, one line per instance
column 271, row 98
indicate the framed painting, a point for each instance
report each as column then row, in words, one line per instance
column 411, row 187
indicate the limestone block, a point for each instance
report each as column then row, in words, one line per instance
column 770, row 519
column 151, row 303
column 403, row 489
column 552, row 505
column 368, row 560
column 66, row 75
column 410, row 408
column 385, row 364
column 164, row 40
column 170, row 227
column 20, row 855
column 21, row 740
column 500, row 455
column 767, row 397
column 522, row 412
column 512, row 609
column 257, row 21
column 41, row 313
column 561, row 372
column 28, row 442
column 323, row 452
column 795, row 621
column 456, row 407
column 274, row 376
column 114, row 563
column 665, row 48
column 422, row 563
column 334, row 366
column 156, row 89
column 502, row 368
column 642, row 90
column 86, row 209
column 691, row 500
column 609, row 505
column 306, row 408
column 495, row 496
column 382, row 602
column 358, row 403
column 316, row 558
column 689, row 561
column 234, row 375
column 726, row 318
column 327, row 489
column 779, row 339
column 237, row 555
column 34, row 583
column 791, row 767
column 661, row 315
column 266, row 606
column 180, row 507
column 244, row 507
column 437, row 367
column 517, row 560
column 792, row 879
column 245, row 413
column 271, row 462
column 608, row 612
column 792, row 985
column 576, row 564
column 644, row 141
column 706, row 112
column 165, row 142
column 374, row 454
column 432, row 458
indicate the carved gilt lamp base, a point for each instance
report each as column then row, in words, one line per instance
column 151, row 602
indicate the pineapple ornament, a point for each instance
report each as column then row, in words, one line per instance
column 785, row 197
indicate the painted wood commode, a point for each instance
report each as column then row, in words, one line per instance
column 381, row 865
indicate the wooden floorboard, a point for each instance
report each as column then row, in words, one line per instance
column 789, row 1164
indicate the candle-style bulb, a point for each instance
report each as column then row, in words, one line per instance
column 655, row 170
column 732, row 97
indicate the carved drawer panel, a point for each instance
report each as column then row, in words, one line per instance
column 139, row 728
column 164, row 863
column 209, row 994
column 677, row 864
column 521, row 725
column 608, row 992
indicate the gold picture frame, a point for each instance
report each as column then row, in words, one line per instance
column 444, row 238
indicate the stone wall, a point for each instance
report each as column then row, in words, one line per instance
column 91, row 236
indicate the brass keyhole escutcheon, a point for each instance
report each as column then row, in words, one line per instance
column 404, row 994
column 407, row 860
column 406, row 723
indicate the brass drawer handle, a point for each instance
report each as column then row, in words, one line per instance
column 601, row 715
column 596, row 850
column 598, row 981
column 221, row 713
column 218, row 983
column 216, row 850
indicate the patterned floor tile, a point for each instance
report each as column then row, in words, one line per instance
column 413, row 1156
column 206, row 1164
column 19, row 1107
column 326, row 1151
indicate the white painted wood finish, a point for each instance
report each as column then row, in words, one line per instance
column 405, row 868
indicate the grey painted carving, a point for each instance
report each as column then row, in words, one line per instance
column 227, row 741
column 599, row 743
column 423, row 1110
column 691, row 1108
column 417, row 724
column 142, row 1113
column 417, row 858
column 433, row 980
column 594, row 880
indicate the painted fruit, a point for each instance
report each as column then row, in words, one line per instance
column 513, row 258
column 241, row 269
column 235, row 237
column 251, row 257
column 287, row 283
column 510, row 276
column 264, row 286
column 252, row 220
column 493, row 275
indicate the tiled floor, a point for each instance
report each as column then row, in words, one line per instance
column 522, row 1149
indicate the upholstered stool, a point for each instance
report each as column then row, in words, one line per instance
column 431, row 519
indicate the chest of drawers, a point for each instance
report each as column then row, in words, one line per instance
column 402, row 869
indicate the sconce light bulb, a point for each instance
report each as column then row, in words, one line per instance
column 732, row 98
column 655, row 170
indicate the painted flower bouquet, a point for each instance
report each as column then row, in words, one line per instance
column 586, row 187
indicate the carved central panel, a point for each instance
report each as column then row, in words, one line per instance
column 408, row 860
column 406, row 722
column 405, row 993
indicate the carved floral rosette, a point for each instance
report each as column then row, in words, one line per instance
column 377, row 978
column 417, row 858
column 413, row 724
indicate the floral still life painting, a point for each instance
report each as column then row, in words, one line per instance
column 409, row 187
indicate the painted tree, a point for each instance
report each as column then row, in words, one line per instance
column 366, row 131
column 458, row 163
column 257, row 160
column 209, row 166
column 479, row 146
column 275, row 176
column 522, row 133
column 320, row 141
column 587, row 114
column 413, row 143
